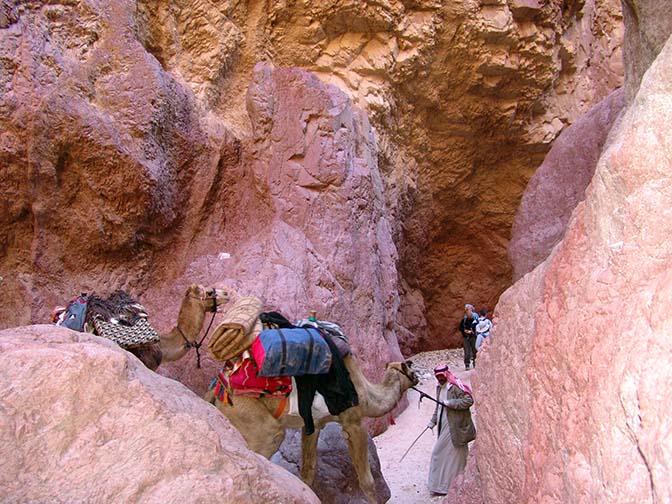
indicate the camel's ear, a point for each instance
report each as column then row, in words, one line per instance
column 404, row 367
column 409, row 363
column 387, row 366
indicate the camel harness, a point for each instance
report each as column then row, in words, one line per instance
column 197, row 345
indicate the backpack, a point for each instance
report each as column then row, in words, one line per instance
column 75, row 313
column 483, row 327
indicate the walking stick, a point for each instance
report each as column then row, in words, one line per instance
column 413, row 443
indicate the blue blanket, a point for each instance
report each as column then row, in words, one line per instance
column 291, row 352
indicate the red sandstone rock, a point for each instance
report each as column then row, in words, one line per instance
column 104, row 157
column 586, row 418
column 559, row 185
column 84, row 421
column 124, row 140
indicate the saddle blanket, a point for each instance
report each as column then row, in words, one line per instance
column 127, row 336
column 240, row 377
column 291, row 352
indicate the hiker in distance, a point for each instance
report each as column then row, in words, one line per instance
column 455, row 430
column 468, row 330
column 482, row 328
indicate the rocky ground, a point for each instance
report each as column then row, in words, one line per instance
column 407, row 478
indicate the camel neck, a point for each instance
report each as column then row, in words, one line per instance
column 380, row 398
column 189, row 323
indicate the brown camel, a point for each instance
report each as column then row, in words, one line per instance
column 254, row 419
column 184, row 336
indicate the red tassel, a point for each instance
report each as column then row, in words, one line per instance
column 392, row 422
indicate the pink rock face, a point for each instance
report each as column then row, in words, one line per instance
column 114, row 177
column 83, row 421
column 558, row 185
column 466, row 488
column 585, row 418
column 308, row 229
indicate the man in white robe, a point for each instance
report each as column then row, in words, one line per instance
column 455, row 430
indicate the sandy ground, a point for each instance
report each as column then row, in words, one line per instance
column 408, row 479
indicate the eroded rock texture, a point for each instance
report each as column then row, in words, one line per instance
column 107, row 162
column 466, row 98
column 586, row 420
column 130, row 159
column 307, row 228
column 83, row 420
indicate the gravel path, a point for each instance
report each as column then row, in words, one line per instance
column 408, row 479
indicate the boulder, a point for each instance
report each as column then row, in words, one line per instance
column 83, row 421
column 335, row 478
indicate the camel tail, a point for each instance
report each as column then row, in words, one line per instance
column 209, row 396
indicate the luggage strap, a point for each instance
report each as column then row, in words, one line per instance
column 284, row 353
column 281, row 408
column 310, row 351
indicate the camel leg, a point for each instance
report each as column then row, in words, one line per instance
column 309, row 456
column 358, row 446
column 262, row 432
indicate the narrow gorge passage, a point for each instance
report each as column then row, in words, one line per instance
column 380, row 162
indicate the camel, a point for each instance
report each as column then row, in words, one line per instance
column 184, row 336
column 254, row 418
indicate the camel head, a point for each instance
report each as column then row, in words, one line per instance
column 210, row 299
column 409, row 378
column 197, row 301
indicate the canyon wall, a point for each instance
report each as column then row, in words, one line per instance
column 583, row 417
column 137, row 151
column 365, row 160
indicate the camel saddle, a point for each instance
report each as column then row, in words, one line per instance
column 118, row 317
column 240, row 377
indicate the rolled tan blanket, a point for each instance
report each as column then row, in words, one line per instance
column 241, row 325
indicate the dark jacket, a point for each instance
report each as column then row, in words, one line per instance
column 465, row 324
column 462, row 429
